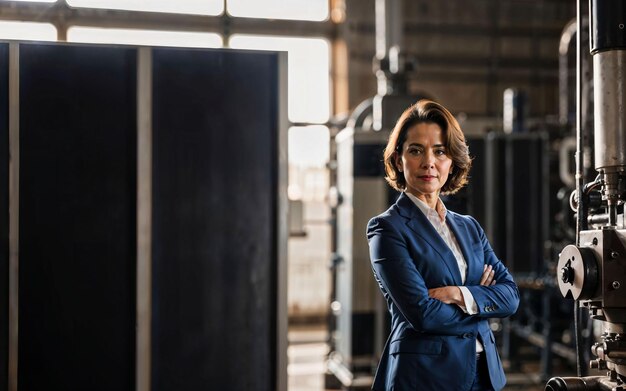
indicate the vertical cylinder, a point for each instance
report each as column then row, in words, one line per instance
column 389, row 26
column 606, row 25
column 514, row 110
column 608, row 46
column 609, row 77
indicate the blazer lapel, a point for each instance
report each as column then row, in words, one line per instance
column 419, row 224
column 474, row 269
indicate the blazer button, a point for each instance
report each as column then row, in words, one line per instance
column 467, row 335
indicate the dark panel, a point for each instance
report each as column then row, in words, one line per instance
column 527, row 206
column 517, row 208
column 214, row 226
column 368, row 160
column 607, row 25
column 496, row 194
column 476, row 185
column 363, row 328
column 77, row 217
column 507, row 194
column 4, row 214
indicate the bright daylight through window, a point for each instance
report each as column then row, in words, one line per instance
column 28, row 31
column 199, row 7
column 144, row 37
column 315, row 10
column 308, row 69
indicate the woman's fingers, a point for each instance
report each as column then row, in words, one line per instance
column 487, row 277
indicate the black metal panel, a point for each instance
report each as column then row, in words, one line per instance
column 368, row 161
column 496, row 194
column 527, row 206
column 77, row 217
column 363, row 328
column 517, row 205
column 4, row 214
column 607, row 25
column 507, row 194
column 214, row 220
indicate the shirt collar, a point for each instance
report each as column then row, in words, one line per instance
column 440, row 209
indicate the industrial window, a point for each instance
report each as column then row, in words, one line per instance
column 198, row 7
column 28, row 31
column 143, row 37
column 308, row 73
column 309, row 152
column 316, row 10
column 309, row 146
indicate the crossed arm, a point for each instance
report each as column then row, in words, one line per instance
column 436, row 309
column 452, row 294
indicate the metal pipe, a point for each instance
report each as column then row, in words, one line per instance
column 389, row 26
column 389, row 34
column 609, row 78
column 566, row 38
column 601, row 219
column 580, row 180
column 608, row 44
column 360, row 113
column 591, row 383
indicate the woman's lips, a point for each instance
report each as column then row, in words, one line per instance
column 427, row 178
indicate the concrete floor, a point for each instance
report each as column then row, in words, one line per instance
column 308, row 349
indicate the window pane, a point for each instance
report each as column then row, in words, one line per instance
column 200, row 7
column 309, row 146
column 308, row 73
column 28, row 31
column 143, row 37
column 309, row 152
column 280, row 9
column 38, row 1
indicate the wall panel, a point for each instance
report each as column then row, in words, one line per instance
column 77, row 217
column 215, row 178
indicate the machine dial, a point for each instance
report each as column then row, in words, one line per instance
column 577, row 273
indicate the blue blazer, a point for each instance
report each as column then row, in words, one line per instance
column 432, row 345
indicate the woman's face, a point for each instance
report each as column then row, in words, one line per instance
column 424, row 161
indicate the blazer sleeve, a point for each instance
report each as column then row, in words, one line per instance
column 396, row 273
column 499, row 300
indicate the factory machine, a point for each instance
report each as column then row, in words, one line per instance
column 593, row 271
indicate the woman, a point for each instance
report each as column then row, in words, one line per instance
column 435, row 268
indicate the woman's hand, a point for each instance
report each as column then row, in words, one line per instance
column 452, row 294
column 447, row 294
column 487, row 277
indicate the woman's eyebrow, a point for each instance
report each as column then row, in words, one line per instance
column 420, row 145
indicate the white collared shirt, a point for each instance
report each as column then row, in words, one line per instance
column 438, row 221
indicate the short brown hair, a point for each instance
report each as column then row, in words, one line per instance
column 427, row 111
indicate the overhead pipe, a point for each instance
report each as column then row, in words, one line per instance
column 389, row 60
